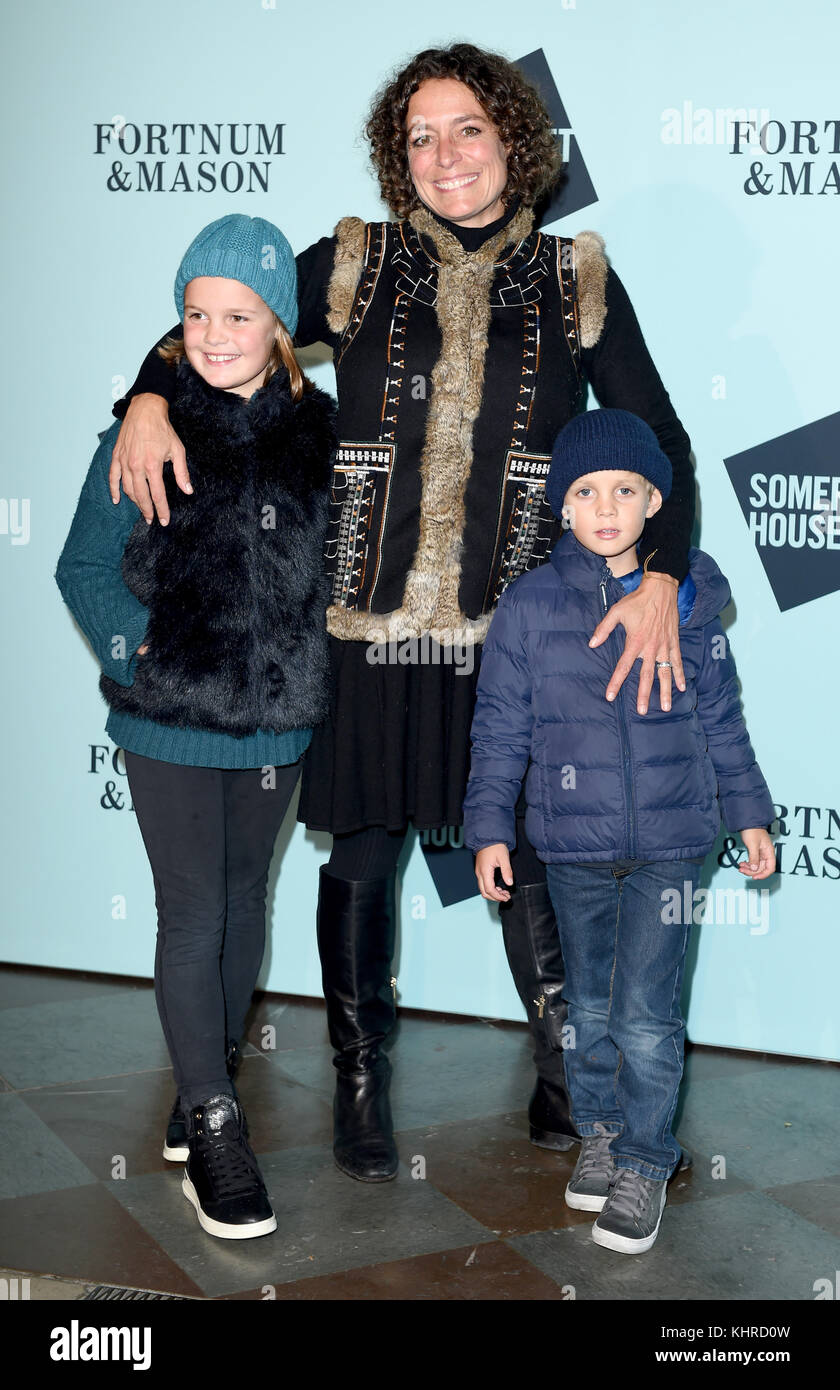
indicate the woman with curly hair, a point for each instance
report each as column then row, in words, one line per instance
column 464, row 338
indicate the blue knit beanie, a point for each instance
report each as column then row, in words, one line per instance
column 247, row 249
column 599, row 440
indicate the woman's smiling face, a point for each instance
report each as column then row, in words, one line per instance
column 457, row 162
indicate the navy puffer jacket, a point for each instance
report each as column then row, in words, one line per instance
column 604, row 782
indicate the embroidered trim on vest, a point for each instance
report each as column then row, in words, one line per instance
column 430, row 598
column 591, row 271
column 567, row 281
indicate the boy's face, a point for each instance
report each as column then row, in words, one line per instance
column 228, row 333
column 607, row 511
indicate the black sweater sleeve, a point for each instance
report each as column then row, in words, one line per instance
column 314, row 268
column 623, row 376
column 155, row 376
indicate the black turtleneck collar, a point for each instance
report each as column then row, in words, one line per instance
column 471, row 238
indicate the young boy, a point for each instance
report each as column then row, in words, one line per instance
column 621, row 808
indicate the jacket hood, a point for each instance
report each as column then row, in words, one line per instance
column 582, row 569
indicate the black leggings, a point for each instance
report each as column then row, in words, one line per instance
column 374, row 851
column 209, row 834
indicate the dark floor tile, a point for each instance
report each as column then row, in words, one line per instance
column 281, row 1113
column 84, row 1233
column 493, row 1172
column 442, row 1072
column 43, row 1044
column 127, row 1115
column 296, row 1023
column 33, row 1157
column 772, row 1125
column 705, row 1179
column 101, row 1119
column 21, row 987
column 326, row 1222
column 741, row 1247
column 469, row 1274
column 817, row 1201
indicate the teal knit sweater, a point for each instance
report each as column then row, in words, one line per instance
column 114, row 621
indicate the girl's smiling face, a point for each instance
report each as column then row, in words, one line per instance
column 228, row 333
column 607, row 511
column 457, row 162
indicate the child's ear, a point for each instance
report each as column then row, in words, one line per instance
column 654, row 503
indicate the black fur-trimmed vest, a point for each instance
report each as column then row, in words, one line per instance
column 455, row 371
column 235, row 584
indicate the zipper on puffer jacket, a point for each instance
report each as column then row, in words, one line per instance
column 624, row 737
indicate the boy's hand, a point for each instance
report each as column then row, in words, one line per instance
column 487, row 861
column 651, row 621
column 762, row 855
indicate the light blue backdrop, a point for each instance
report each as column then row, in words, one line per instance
column 739, row 299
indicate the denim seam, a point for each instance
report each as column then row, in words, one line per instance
column 612, row 980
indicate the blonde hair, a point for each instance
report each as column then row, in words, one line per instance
column 172, row 350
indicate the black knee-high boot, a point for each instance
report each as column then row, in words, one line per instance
column 533, row 950
column 356, row 937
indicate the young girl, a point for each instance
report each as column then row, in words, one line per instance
column 212, row 641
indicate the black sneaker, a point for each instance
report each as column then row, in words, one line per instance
column 629, row 1221
column 589, row 1185
column 222, row 1179
column 175, row 1147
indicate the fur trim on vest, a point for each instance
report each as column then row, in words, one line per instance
column 235, row 583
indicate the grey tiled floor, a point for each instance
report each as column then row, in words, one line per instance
column 85, row 1196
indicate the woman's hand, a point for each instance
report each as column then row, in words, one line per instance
column 761, row 862
column 487, row 861
column 143, row 445
column 651, row 620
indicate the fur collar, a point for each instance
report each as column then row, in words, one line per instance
column 449, row 248
column 238, row 418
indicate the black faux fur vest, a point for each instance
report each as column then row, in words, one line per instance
column 235, row 583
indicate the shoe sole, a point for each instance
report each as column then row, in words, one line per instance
column 176, row 1155
column 545, row 1139
column 361, row 1177
column 583, row 1201
column 221, row 1229
column 626, row 1245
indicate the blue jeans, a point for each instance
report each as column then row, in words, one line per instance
column 624, row 958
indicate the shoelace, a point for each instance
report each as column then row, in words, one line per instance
column 233, row 1168
column 596, row 1160
column 629, row 1193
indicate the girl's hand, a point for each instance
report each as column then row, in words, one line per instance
column 487, row 861
column 141, row 651
column 762, row 855
column 144, row 443
column 651, row 620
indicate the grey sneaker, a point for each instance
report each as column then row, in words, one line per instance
column 630, row 1218
column 589, row 1185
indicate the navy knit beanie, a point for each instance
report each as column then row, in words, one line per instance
column 247, row 249
column 599, row 440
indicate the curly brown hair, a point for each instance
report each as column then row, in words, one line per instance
column 511, row 103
